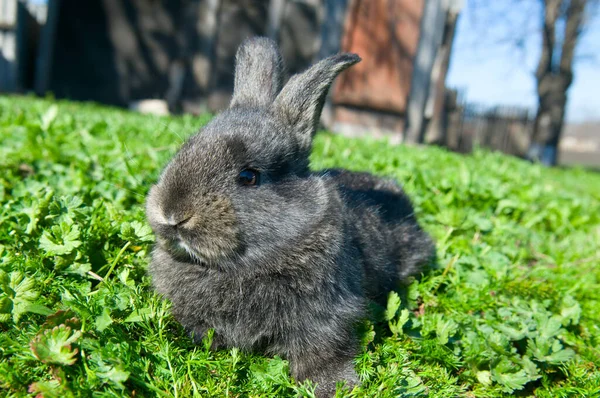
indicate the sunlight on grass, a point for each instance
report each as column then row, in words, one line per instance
column 513, row 305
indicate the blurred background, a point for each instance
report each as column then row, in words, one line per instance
column 517, row 76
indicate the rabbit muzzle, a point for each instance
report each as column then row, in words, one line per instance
column 200, row 229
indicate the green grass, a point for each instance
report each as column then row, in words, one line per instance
column 513, row 308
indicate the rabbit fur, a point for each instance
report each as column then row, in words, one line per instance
column 285, row 266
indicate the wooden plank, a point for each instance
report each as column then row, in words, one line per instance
column 6, row 26
column 44, row 61
column 8, row 13
column 7, row 61
column 27, row 41
column 385, row 34
column 432, row 28
column 332, row 27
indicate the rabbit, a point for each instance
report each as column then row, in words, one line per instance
column 275, row 258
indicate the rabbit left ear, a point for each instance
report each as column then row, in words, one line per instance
column 300, row 102
column 258, row 73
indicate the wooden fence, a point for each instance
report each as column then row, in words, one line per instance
column 20, row 24
column 8, row 19
column 501, row 128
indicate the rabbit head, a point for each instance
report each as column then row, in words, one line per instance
column 242, row 185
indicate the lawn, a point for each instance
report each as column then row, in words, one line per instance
column 513, row 308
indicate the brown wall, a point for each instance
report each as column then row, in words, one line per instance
column 385, row 33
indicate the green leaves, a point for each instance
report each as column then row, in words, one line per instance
column 116, row 375
column 570, row 311
column 550, row 351
column 53, row 346
column 137, row 232
column 61, row 239
column 49, row 389
column 393, row 305
column 34, row 208
column 512, row 307
column 273, row 372
column 18, row 294
column 511, row 377
column 103, row 320
column 444, row 329
column 48, row 117
column 506, row 323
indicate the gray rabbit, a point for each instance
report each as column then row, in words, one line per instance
column 276, row 258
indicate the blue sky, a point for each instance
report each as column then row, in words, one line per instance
column 489, row 68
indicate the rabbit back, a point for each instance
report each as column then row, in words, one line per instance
column 392, row 245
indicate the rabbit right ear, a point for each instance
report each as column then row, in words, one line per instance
column 258, row 73
column 301, row 101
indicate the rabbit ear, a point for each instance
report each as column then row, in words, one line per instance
column 301, row 101
column 258, row 73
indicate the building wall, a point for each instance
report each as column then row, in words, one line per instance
column 386, row 35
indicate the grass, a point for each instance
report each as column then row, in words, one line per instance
column 512, row 309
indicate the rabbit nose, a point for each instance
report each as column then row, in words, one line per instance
column 178, row 222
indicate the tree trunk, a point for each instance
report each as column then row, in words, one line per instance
column 554, row 79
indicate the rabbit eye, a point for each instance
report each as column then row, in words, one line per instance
column 249, row 177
